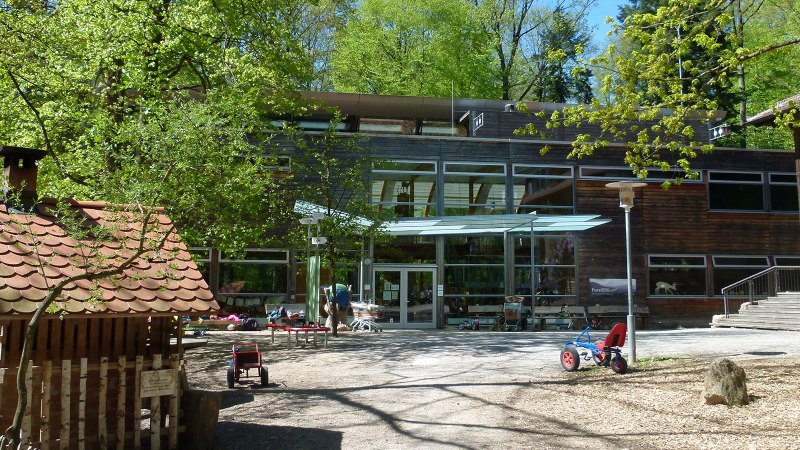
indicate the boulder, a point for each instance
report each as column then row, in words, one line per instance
column 725, row 384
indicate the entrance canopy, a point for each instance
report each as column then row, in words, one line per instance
column 471, row 225
column 493, row 224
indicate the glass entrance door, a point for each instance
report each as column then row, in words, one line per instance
column 406, row 296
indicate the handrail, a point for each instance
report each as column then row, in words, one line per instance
column 762, row 285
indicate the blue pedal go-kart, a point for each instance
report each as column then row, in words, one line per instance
column 604, row 352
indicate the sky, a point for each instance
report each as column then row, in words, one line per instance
column 597, row 18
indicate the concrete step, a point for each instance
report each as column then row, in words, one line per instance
column 758, row 324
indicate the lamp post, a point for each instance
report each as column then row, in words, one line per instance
column 626, row 195
column 312, row 267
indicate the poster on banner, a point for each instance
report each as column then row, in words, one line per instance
column 602, row 287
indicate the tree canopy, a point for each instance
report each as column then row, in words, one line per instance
column 646, row 88
column 154, row 102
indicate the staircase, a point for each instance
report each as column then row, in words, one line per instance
column 778, row 312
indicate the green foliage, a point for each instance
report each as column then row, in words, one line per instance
column 155, row 103
column 644, row 88
column 416, row 47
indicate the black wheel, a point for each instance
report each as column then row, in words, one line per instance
column 570, row 359
column 236, row 374
column 264, row 376
column 619, row 365
column 461, row 327
column 231, row 377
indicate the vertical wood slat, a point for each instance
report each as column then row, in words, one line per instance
column 102, row 404
column 36, row 404
column 41, row 349
column 137, row 404
column 94, row 340
column 121, row 404
column 82, row 404
column 174, row 401
column 2, row 383
column 47, row 381
column 26, row 416
column 69, row 339
column 155, row 412
column 66, row 383
column 56, row 343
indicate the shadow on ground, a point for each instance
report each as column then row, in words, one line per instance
column 276, row 437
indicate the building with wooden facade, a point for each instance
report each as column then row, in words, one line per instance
column 441, row 158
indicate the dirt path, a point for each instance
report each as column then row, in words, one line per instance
column 432, row 390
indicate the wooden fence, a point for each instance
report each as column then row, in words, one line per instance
column 113, row 404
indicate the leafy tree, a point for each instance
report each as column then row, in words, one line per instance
column 537, row 47
column 647, row 105
column 154, row 103
column 334, row 173
column 417, row 47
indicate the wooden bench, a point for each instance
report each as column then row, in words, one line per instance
column 306, row 330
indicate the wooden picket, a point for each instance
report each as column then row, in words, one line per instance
column 79, row 392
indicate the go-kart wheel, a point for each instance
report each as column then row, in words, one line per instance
column 461, row 327
column 230, row 377
column 619, row 365
column 570, row 359
column 236, row 374
column 599, row 359
column 264, row 376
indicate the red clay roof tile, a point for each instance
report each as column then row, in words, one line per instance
column 163, row 282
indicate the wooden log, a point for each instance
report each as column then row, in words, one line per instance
column 155, row 412
column 36, row 404
column 137, row 404
column 26, row 416
column 174, row 401
column 201, row 413
column 102, row 404
column 121, row 404
column 82, row 405
column 66, row 383
column 47, row 392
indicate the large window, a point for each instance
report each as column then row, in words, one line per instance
column 407, row 250
column 671, row 275
column 783, row 192
column 407, row 188
column 738, row 191
column 474, row 274
column 730, row 269
column 555, row 268
column 474, row 189
column 254, row 278
column 547, row 190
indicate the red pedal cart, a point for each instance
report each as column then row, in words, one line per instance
column 245, row 357
column 605, row 352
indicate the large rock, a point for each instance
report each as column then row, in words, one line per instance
column 725, row 384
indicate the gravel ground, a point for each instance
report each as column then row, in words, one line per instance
column 483, row 390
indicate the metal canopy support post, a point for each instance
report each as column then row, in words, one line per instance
column 533, row 277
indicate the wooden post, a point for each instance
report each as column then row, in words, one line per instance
column 137, row 404
column 102, row 404
column 66, row 386
column 47, row 392
column 174, row 401
column 26, row 418
column 121, row 404
column 82, row 405
column 155, row 412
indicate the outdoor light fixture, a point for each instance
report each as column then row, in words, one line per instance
column 626, row 196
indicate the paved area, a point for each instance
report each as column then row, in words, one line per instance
column 427, row 389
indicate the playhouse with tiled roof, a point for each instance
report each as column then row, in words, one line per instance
column 103, row 349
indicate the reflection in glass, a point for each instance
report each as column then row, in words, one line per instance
column 387, row 295
column 420, row 297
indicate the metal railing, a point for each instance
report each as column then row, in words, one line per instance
column 760, row 286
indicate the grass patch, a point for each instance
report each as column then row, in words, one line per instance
column 654, row 361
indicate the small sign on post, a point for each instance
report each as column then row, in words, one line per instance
column 156, row 383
